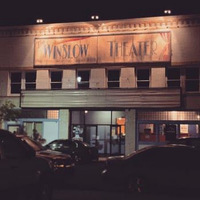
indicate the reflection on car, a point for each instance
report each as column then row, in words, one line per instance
column 190, row 141
column 63, row 164
column 23, row 176
column 80, row 151
column 155, row 167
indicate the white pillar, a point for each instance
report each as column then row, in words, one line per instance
column 130, row 139
column 64, row 124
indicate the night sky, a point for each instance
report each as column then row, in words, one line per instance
column 17, row 12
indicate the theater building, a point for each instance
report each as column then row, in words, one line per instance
column 118, row 84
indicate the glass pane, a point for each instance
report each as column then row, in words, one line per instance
column 85, row 75
column 173, row 83
column 15, row 88
column 56, row 85
column 16, row 77
column 192, row 85
column 113, row 84
column 143, row 74
column 56, row 76
column 113, row 75
column 30, row 76
column 82, row 85
column 142, row 84
column 30, row 86
column 192, row 73
column 189, row 130
column 173, row 73
column 147, row 133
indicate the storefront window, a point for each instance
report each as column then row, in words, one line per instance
column 189, row 130
column 147, row 133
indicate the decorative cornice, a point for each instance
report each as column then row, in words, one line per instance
column 102, row 27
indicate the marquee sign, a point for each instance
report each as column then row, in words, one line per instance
column 129, row 48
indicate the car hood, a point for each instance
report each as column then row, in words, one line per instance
column 52, row 154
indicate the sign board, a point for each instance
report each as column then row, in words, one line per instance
column 128, row 48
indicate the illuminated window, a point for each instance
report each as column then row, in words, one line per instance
column 147, row 133
column 52, row 114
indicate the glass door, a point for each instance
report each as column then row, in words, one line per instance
column 91, row 135
column 116, row 140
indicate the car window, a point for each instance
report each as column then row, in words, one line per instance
column 55, row 145
column 69, row 144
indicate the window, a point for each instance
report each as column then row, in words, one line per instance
column 30, row 78
column 192, row 79
column 56, row 80
column 143, row 78
column 83, row 78
column 147, row 133
column 52, row 114
column 113, row 78
column 173, row 77
column 16, row 82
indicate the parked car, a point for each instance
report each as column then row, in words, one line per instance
column 80, row 151
column 23, row 176
column 155, row 168
column 63, row 164
column 193, row 142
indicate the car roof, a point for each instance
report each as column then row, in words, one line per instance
column 6, row 133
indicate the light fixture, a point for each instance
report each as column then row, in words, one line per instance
column 39, row 21
column 78, row 79
column 167, row 12
column 94, row 17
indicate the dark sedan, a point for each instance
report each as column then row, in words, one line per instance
column 154, row 168
column 63, row 164
column 23, row 176
column 193, row 142
column 80, row 151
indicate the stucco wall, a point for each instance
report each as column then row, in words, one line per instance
column 130, row 139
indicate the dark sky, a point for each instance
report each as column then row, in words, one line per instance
column 17, row 12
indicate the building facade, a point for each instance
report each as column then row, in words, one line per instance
column 119, row 85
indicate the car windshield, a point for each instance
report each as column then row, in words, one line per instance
column 33, row 144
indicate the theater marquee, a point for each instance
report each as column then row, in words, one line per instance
column 133, row 48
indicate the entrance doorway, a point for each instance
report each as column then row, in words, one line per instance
column 107, row 138
column 103, row 129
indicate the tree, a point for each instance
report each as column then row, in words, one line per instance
column 8, row 112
